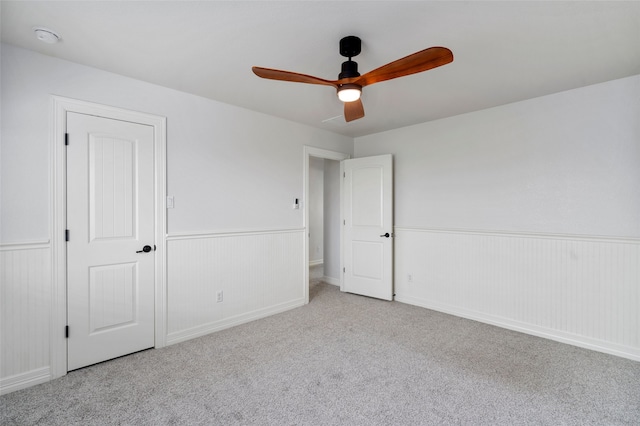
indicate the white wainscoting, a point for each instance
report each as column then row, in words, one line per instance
column 258, row 272
column 25, row 306
column 579, row 290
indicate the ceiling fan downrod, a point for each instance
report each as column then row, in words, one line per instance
column 350, row 46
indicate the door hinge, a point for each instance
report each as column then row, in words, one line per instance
column 66, row 235
column 66, row 138
column 344, row 270
column 344, row 174
column 66, row 332
column 344, row 222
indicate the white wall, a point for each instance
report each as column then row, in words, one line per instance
column 228, row 168
column 316, row 210
column 565, row 163
column 525, row 215
column 234, row 174
column 332, row 221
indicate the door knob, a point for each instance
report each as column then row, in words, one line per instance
column 386, row 235
column 145, row 249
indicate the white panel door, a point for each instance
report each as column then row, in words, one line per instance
column 110, row 218
column 368, row 226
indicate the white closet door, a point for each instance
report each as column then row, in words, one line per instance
column 110, row 218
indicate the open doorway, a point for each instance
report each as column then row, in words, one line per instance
column 322, row 217
column 324, row 221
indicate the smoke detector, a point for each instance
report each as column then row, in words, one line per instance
column 46, row 35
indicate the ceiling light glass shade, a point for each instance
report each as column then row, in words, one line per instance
column 349, row 92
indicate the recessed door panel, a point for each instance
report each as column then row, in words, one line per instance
column 112, row 297
column 366, row 193
column 112, row 195
column 368, row 259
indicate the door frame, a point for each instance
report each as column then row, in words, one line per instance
column 60, row 107
column 308, row 152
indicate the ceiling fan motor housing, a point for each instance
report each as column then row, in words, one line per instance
column 349, row 69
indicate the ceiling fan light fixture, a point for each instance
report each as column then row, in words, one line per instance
column 350, row 83
column 349, row 92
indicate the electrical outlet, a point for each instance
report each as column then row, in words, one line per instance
column 219, row 297
column 409, row 278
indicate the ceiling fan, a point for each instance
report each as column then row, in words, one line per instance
column 350, row 83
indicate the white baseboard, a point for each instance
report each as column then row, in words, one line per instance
column 316, row 262
column 205, row 329
column 570, row 339
column 24, row 380
column 331, row 280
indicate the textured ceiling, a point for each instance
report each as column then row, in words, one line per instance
column 504, row 51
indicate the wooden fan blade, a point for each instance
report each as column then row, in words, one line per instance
column 424, row 60
column 353, row 110
column 290, row 76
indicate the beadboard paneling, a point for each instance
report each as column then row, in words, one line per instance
column 579, row 290
column 25, row 306
column 258, row 273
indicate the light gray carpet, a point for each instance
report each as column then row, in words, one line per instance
column 344, row 360
column 316, row 273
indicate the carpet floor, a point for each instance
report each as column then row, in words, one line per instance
column 344, row 360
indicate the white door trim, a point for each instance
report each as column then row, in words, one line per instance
column 310, row 151
column 60, row 107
